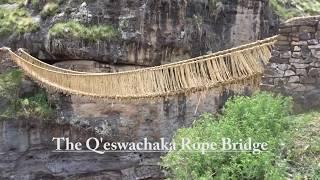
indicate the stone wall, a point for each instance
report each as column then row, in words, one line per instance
column 294, row 68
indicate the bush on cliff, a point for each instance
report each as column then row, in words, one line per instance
column 9, row 86
column 15, row 106
column 16, row 21
column 49, row 9
column 262, row 117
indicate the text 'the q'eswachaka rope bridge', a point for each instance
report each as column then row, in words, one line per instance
column 229, row 69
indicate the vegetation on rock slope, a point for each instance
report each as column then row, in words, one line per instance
column 77, row 30
column 16, row 21
column 49, row 9
column 15, row 106
column 284, row 8
column 303, row 154
column 11, row 1
column 264, row 118
column 292, row 8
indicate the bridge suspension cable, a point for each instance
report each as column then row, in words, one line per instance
column 230, row 68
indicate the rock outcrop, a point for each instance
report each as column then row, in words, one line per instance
column 26, row 152
column 151, row 32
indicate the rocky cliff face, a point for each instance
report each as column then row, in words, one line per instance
column 150, row 32
column 192, row 26
column 26, row 153
column 133, row 121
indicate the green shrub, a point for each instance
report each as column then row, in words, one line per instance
column 262, row 117
column 17, row 20
column 35, row 106
column 9, row 84
column 76, row 30
column 292, row 8
column 9, row 90
column 35, row 4
column 49, row 9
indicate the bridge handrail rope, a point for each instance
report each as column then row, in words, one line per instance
column 302, row 18
column 23, row 54
column 34, row 60
column 231, row 68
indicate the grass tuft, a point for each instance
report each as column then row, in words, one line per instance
column 77, row 30
column 49, row 9
column 303, row 153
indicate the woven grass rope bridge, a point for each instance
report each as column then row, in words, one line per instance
column 228, row 69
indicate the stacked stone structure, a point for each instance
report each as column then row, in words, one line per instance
column 294, row 68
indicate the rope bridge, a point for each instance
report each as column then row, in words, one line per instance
column 228, row 69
